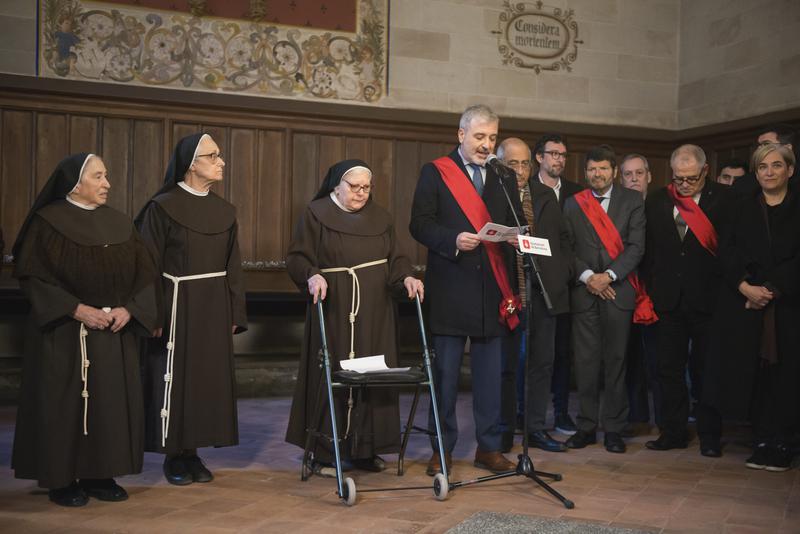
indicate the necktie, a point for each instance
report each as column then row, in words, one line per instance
column 477, row 178
column 681, row 225
column 527, row 209
column 600, row 199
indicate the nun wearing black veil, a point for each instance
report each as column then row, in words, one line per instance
column 188, row 372
column 89, row 279
column 345, row 243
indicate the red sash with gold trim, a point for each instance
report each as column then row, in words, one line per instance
column 473, row 207
column 696, row 220
column 612, row 241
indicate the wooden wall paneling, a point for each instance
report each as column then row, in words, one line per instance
column 358, row 148
column 17, row 172
column 116, row 145
column 84, row 133
column 331, row 151
column 305, row 169
column 51, row 145
column 180, row 130
column 382, row 164
column 147, row 167
column 243, row 177
column 272, row 220
column 406, row 173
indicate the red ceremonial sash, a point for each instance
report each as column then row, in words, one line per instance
column 696, row 220
column 473, row 207
column 612, row 241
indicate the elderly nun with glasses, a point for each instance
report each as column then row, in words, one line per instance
column 89, row 279
column 345, row 252
column 189, row 379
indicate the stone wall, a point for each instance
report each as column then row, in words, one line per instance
column 738, row 59
column 18, row 36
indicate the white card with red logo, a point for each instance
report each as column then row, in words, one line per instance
column 534, row 245
column 497, row 232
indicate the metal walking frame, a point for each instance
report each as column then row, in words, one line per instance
column 417, row 377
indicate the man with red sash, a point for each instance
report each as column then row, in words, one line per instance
column 606, row 226
column 471, row 290
column 682, row 273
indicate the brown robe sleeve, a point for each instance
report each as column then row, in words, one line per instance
column 301, row 259
column 236, row 283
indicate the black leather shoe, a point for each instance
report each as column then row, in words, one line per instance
column 103, row 489
column 71, row 495
column 506, row 441
column 665, row 443
column 542, row 440
column 613, row 442
column 176, row 471
column 581, row 439
column 710, row 448
column 197, row 470
column 376, row 464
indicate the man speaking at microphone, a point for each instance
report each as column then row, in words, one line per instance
column 472, row 293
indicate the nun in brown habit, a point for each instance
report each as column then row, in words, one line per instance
column 343, row 244
column 89, row 279
column 188, row 372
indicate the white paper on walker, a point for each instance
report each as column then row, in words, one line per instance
column 370, row 364
column 497, row 232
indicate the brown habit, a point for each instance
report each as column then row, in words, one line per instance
column 195, row 235
column 70, row 256
column 327, row 237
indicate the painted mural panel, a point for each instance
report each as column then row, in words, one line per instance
column 135, row 44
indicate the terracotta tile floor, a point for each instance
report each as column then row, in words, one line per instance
column 257, row 489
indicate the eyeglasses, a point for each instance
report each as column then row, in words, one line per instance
column 555, row 154
column 685, row 179
column 516, row 163
column 354, row 188
column 214, row 156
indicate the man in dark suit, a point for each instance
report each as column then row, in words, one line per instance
column 777, row 134
column 467, row 280
column 551, row 155
column 682, row 273
column 603, row 297
column 543, row 214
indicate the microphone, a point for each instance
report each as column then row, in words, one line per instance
column 502, row 170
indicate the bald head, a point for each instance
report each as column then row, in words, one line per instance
column 515, row 153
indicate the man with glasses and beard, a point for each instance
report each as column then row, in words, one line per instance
column 551, row 155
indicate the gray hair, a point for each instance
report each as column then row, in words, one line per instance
column 502, row 147
column 478, row 111
column 686, row 152
column 629, row 157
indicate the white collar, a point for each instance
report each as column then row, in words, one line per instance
column 81, row 205
column 195, row 192
column 556, row 187
column 339, row 204
column 607, row 194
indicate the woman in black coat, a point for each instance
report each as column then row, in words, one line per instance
column 755, row 361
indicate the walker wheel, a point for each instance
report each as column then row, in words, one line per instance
column 440, row 487
column 349, row 491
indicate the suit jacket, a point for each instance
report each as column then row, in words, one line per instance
column 556, row 270
column 673, row 269
column 461, row 293
column 568, row 188
column 626, row 210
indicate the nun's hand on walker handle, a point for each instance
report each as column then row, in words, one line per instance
column 317, row 287
column 94, row 318
column 414, row 287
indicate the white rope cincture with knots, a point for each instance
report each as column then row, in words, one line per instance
column 355, row 304
column 85, row 373
column 165, row 409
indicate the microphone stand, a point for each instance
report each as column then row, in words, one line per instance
column 525, row 464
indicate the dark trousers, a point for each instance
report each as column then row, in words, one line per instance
column 641, row 375
column 486, row 364
column 674, row 332
column 540, row 368
column 562, row 364
column 600, row 336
